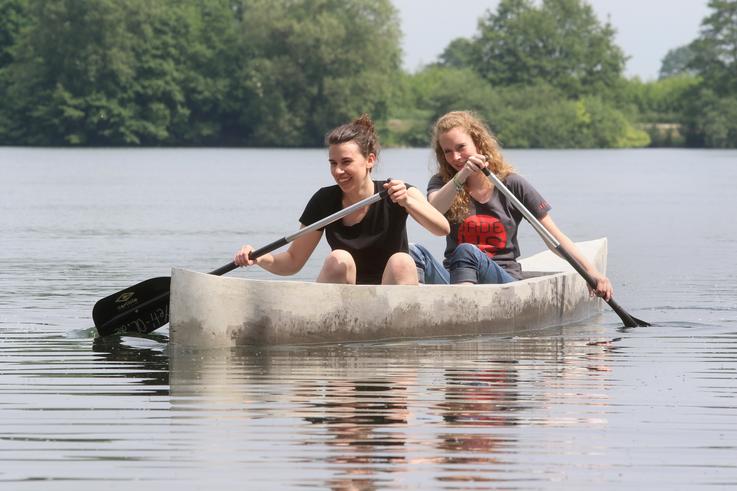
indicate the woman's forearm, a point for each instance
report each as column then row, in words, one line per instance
column 426, row 215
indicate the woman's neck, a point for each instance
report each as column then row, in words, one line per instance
column 365, row 190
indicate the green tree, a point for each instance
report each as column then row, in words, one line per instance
column 560, row 42
column 660, row 106
column 103, row 72
column 661, row 101
column 70, row 55
column 676, row 62
column 542, row 117
column 204, row 49
column 312, row 64
column 711, row 120
column 12, row 19
column 710, row 114
column 718, row 122
column 430, row 93
column 533, row 116
column 458, row 54
column 715, row 50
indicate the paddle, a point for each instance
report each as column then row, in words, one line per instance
column 144, row 307
column 629, row 321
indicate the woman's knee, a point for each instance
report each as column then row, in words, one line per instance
column 338, row 267
column 400, row 269
column 464, row 255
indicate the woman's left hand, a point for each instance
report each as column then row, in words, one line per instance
column 603, row 287
column 397, row 192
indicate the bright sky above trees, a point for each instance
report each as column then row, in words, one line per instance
column 646, row 29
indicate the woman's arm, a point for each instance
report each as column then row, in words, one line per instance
column 603, row 285
column 442, row 198
column 285, row 263
column 418, row 207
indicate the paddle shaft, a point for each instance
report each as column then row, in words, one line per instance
column 627, row 319
column 303, row 231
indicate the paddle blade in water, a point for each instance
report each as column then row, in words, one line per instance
column 142, row 308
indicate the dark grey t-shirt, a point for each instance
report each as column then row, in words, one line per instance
column 492, row 226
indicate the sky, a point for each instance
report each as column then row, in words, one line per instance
column 646, row 29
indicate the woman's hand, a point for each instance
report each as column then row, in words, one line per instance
column 243, row 256
column 603, row 287
column 474, row 163
column 397, row 192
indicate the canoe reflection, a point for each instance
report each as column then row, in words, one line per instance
column 370, row 416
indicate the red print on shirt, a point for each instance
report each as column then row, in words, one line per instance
column 486, row 231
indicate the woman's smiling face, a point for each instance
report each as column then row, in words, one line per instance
column 348, row 166
column 457, row 146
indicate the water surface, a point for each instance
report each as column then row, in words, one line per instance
column 584, row 406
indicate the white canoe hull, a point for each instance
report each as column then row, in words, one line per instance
column 209, row 311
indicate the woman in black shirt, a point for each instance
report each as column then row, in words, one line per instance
column 368, row 246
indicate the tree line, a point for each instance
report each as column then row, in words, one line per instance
column 282, row 72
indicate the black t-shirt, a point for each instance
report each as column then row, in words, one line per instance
column 381, row 233
column 492, row 226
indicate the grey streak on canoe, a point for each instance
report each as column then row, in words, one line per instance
column 212, row 311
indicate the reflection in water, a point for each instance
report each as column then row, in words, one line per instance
column 350, row 408
column 476, row 401
column 145, row 357
column 389, row 415
column 366, row 421
column 62, row 408
column 483, row 413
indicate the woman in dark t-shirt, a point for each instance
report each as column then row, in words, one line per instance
column 370, row 245
column 482, row 245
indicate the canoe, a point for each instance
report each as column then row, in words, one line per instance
column 208, row 311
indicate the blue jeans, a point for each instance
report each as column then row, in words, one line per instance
column 429, row 269
column 467, row 264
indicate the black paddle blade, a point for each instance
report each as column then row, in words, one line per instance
column 142, row 308
column 627, row 319
column 639, row 322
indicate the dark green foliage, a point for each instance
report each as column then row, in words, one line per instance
column 283, row 72
column 676, row 62
column 715, row 51
column 711, row 115
column 14, row 16
column 561, row 42
column 460, row 53
column 539, row 76
column 711, row 120
column 311, row 65
column 193, row 72
column 103, row 72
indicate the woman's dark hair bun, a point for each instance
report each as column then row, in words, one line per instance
column 364, row 120
column 361, row 130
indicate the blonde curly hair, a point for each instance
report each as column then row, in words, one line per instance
column 486, row 144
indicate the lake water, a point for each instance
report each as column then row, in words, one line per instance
column 591, row 406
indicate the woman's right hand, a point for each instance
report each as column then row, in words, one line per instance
column 243, row 256
column 473, row 164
